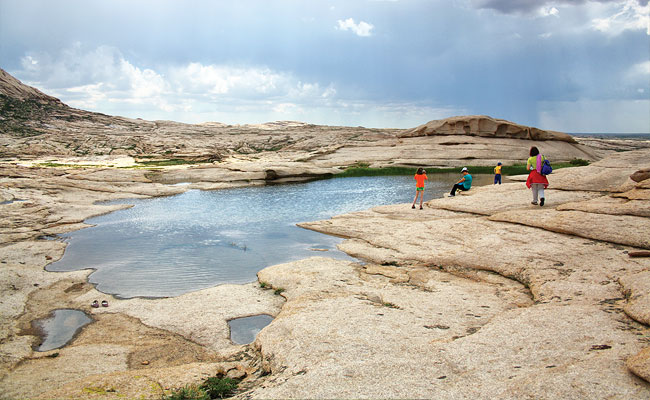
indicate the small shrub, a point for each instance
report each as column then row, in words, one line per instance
column 278, row 291
column 579, row 162
column 219, row 387
column 390, row 305
column 191, row 392
column 264, row 285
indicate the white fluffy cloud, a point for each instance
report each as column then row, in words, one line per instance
column 360, row 29
column 102, row 79
column 630, row 15
column 549, row 11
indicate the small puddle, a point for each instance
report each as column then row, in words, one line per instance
column 244, row 330
column 60, row 328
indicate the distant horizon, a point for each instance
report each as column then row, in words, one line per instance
column 560, row 65
column 367, row 127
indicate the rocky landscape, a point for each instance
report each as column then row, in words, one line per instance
column 479, row 296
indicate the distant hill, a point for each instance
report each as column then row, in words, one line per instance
column 15, row 89
column 484, row 126
column 34, row 125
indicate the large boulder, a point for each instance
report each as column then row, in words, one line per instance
column 482, row 125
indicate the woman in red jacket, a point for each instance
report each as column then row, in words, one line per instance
column 536, row 181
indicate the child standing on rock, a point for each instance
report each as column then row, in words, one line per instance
column 420, row 177
column 497, row 174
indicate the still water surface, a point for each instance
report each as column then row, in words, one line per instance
column 168, row 246
column 61, row 327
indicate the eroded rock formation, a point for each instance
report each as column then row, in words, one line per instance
column 484, row 126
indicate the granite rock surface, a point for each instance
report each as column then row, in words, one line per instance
column 478, row 296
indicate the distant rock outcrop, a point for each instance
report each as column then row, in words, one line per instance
column 482, row 125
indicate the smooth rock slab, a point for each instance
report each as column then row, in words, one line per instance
column 609, row 205
column 343, row 335
column 637, row 290
column 603, row 227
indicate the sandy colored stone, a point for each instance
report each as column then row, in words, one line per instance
column 489, row 200
column 200, row 316
column 609, row 205
column 602, row 227
column 637, row 290
column 422, row 337
column 482, row 125
column 635, row 194
column 71, row 364
column 644, row 184
column 445, row 151
column 552, row 273
column 142, row 383
column 640, row 364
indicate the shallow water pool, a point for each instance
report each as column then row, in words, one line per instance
column 168, row 246
column 60, row 328
column 244, row 330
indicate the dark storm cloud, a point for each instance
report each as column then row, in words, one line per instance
column 527, row 6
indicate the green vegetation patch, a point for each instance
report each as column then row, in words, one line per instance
column 168, row 162
column 217, row 387
column 62, row 165
column 362, row 169
column 220, row 387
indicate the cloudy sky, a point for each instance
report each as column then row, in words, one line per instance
column 568, row 65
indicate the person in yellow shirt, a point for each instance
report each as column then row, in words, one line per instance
column 420, row 177
column 497, row 174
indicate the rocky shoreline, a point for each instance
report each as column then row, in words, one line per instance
column 479, row 296
column 451, row 302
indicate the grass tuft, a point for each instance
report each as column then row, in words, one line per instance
column 190, row 392
column 219, row 387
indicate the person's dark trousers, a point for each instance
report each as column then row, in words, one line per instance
column 456, row 187
column 497, row 179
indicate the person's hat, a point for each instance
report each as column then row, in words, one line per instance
column 464, row 169
column 499, row 163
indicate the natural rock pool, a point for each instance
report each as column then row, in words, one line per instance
column 60, row 328
column 168, row 246
column 244, row 330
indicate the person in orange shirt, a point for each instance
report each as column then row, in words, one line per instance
column 420, row 177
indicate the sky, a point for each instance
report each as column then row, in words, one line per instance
column 579, row 66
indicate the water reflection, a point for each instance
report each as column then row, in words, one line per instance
column 244, row 330
column 61, row 327
column 172, row 245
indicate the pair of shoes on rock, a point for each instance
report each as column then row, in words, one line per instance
column 95, row 304
column 541, row 202
column 420, row 207
column 413, row 206
column 533, row 203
